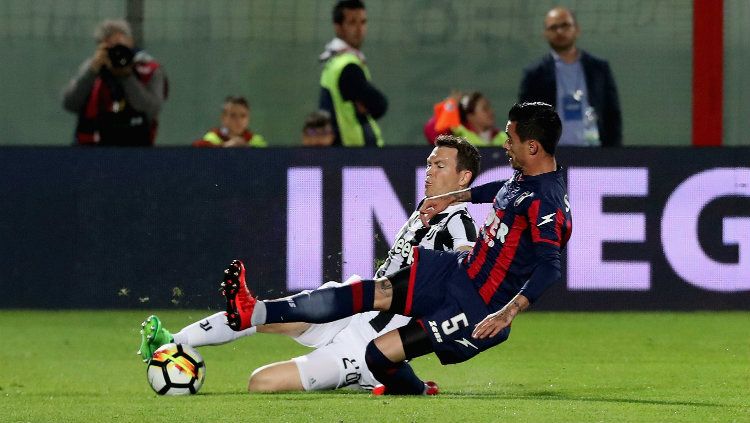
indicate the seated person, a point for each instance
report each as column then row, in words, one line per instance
column 234, row 132
column 318, row 131
column 465, row 115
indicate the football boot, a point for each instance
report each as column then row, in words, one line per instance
column 153, row 336
column 240, row 301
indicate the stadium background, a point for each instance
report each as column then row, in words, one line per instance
column 418, row 51
column 150, row 228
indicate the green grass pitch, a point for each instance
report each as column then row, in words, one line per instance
column 80, row 366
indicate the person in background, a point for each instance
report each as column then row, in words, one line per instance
column 317, row 131
column 346, row 90
column 580, row 85
column 233, row 132
column 465, row 115
column 118, row 92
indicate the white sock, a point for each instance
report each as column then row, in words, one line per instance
column 213, row 330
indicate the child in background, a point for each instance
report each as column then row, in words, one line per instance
column 317, row 131
column 465, row 115
column 234, row 132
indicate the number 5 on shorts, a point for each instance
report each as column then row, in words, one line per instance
column 454, row 323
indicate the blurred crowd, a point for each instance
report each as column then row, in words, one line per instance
column 118, row 92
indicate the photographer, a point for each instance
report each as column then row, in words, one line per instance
column 118, row 92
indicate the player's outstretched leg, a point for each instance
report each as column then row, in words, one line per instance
column 210, row 330
column 319, row 306
column 153, row 336
column 240, row 301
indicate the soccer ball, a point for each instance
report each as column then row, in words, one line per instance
column 176, row 369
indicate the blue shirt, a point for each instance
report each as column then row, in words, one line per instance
column 519, row 246
column 571, row 83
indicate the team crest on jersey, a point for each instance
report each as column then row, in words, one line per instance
column 522, row 197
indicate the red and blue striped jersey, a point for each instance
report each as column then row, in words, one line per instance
column 520, row 244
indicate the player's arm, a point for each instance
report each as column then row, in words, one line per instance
column 499, row 320
column 548, row 227
column 434, row 205
column 546, row 222
column 546, row 273
column 480, row 194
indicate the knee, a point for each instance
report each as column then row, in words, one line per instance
column 276, row 377
column 375, row 359
column 262, row 380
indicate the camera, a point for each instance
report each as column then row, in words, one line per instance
column 121, row 56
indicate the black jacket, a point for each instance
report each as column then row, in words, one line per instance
column 539, row 84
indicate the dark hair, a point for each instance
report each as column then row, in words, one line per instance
column 317, row 119
column 237, row 99
column 468, row 157
column 468, row 104
column 537, row 121
column 338, row 10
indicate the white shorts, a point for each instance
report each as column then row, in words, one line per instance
column 319, row 335
column 336, row 365
column 341, row 363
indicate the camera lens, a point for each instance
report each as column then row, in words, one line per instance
column 120, row 56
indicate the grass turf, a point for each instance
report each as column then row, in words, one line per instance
column 80, row 366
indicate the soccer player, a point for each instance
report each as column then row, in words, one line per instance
column 463, row 303
column 338, row 359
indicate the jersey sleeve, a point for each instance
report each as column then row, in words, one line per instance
column 485, row 193
column 547, row 224
column 462, row 230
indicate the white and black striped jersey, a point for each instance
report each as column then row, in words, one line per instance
column 449, row 230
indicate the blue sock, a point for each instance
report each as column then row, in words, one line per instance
column 322, row 305
column 398, row 378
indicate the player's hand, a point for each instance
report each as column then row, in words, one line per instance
column 493, row 324
column 499, row 320
column 433, row 206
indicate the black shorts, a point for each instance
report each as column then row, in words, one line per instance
column 446, row 303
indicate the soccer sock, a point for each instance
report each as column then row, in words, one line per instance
column 213, row 330
column 398, row 378
column 319, row 306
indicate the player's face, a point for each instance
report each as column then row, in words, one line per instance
column 516, row 150
column 560, row 30
column 354, row 27
column 235, row 118
column 442, row 176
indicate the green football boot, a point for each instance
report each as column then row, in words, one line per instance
column 153, row 336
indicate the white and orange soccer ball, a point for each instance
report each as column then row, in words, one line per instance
column 176, row 369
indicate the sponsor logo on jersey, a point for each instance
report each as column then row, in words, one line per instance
column 495, row 229
column 402, row 248
column 546, row 219
column 466, row 343
column 435, row 331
